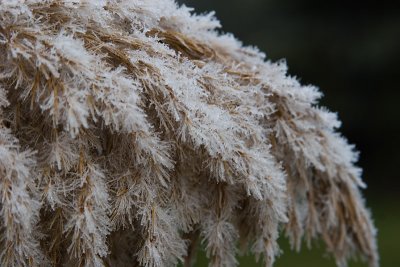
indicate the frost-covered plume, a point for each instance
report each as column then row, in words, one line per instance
column 132, row 132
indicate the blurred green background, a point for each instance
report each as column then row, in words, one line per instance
column 351, row 50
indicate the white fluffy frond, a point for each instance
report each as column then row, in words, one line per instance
column 152, row 133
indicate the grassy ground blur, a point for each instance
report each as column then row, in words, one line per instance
column 387, row 220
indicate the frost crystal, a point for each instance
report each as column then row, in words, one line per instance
column 132, row 131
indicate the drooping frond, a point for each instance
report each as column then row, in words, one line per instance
column 152, row 133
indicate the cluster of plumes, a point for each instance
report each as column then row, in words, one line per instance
column 132, row 133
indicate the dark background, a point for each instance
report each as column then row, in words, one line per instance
column 351, row 50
